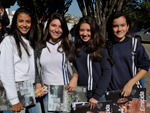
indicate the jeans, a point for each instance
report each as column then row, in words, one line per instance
column 90, row 95
column 45, row 103
column 33, row 109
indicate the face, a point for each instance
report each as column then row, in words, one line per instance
column 120, row 28
column 85, row 32
column 0, row 26
column 23, row 23
column 122, row 100
column 55, row 30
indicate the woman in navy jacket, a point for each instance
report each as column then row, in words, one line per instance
column 93, row 68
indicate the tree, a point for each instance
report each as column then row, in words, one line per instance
column 139, row 12
column 100, row 10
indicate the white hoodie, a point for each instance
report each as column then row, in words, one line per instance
column 13, row 68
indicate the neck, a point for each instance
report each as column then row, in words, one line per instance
column 119, row 39
column 54, row 40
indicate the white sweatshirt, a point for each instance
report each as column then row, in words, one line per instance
column 13, row 68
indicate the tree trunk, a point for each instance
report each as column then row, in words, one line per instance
column 120, row 3
column 81, row 7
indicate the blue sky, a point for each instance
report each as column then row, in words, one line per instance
column 73, row 9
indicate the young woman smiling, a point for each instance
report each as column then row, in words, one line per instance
column 17, row 57
column 52, row 55
column 130, row 60
column 93, row 68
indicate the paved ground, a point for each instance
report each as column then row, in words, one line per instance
column 147, row 78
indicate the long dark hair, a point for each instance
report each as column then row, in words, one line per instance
column 109, row 42
column 31, row 35
column 94, row 45
column 2, row 32
column 66, row 44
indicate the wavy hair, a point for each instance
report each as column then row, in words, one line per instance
column 66, row 44
column 94, row 45
column 31, row 35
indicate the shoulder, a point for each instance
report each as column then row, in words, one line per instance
column 8, row 40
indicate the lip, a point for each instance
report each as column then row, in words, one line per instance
column 24, row 29
column 55, row 34
column 119, row 33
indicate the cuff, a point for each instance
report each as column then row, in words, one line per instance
column 145, row 68
column 96, row 96
column 14, row 101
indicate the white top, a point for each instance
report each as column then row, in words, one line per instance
column 54, row 65
column 13, row 68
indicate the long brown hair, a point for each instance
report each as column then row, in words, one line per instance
column 66, row 44
column 94, row 45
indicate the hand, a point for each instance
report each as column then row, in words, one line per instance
column 127, row 89
column 93, row 102
column 17, row 107
column 72, row 84
column 37, row 87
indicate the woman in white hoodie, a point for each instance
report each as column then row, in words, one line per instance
column 17, row 56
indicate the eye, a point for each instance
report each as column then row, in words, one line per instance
column 81, row 29
column 123, row 25
column 88, row 30
column 28, row 21
column 20, row 20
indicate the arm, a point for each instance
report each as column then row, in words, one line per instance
column 103, row 81
column 38, row 76
column 128, row 87
column 73, row 82
column 141, row 61
column 7, row 73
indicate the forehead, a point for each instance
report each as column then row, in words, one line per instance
column 85, row 25
column 23, row 16
column 56, row 21
column 120, row 20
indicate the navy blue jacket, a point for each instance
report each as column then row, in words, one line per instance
column 101, row 72
column 122, row 56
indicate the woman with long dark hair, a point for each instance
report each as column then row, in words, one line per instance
column 129, row 59
column 93, row 68
column 52, row 57
column 17, row 56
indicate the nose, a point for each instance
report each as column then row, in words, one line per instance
column 119, row 28
column 84, row 33
column 57, row 28
column 24, row 23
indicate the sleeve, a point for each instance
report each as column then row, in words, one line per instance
column 38, row 76
column 105, row 76
column 142, row 58
column 7, row 70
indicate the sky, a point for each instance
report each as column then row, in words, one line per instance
column 73, row 9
